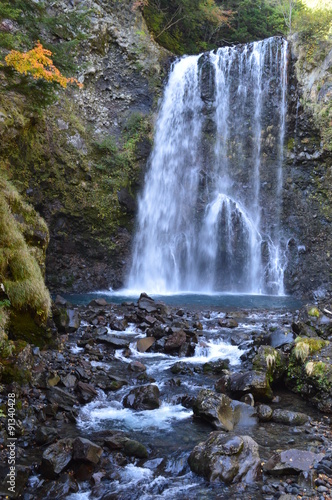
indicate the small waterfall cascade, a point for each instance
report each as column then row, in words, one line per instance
column 209, row 217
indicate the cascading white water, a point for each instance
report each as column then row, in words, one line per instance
column 209, row 215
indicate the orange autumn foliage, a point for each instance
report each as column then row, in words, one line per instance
column 37, row 63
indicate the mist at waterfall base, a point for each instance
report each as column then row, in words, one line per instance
column 209, row 216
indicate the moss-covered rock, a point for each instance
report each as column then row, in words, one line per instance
column 309, row 371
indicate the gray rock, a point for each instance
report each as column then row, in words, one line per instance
column 264, row 413
column 115, row 342
column 222, row 412
column 46, row 435
column 289, row 417
column 256, row 383
column 69, row 380
column 146, row 303
column 74, row 320
column 175, row 341
column 64, row 399
column 85, row 450
column 143, row 398
column 86, row 392
column 56, row 458
column 291, row 461
column 137, row 366
column 226, row 459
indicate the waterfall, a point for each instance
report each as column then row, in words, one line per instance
column 209, row 216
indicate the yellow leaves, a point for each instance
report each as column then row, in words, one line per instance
column 39, row 65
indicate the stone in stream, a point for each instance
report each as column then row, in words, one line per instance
column 147, row 304
column 222, row 412
column 85, row 450
column 137, row 366
column 98, row 303
column 86, row 392
column 289, row 417
column 56, row 458
column 291, row 461
column 228, row 323
column 133, row 448
column 256, row 383
column 264, row 413
column 143, row 398
column 144, row 344
column 175, row 341
column 115, row 342
column 226, row 459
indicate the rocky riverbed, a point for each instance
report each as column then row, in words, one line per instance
column 144, row 400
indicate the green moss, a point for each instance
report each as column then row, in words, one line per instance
column 313, row 311
column 305, row 346
column 20, row 274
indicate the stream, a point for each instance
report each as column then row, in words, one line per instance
column 171, row 431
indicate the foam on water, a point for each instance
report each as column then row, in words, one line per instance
column 95, row 414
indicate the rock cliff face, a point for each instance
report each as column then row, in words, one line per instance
column 80, row 164
column 307, row 208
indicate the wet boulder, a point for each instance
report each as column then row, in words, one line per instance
column 291, row 462
column 86, row 392
column 226, row 459
column 175, row 341
column 228, row 323
column 85, row 450
column 56, row 458
column 137, row 366
column 133, row 448
column 289, row 417
column 264, row 413
column 253, row 382
column 64, row 399
column 222, row 412
column 147, row 304
column 114, row 342
column 145, row 344
column 143, row 398
column 46, row 435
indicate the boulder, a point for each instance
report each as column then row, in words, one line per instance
column 228, row 323
column 85, row 450
column 97, row 303
column 112, row 341
column 56, row 458
column 64, row 399
column 144, row 344
column 137, row 366
column 46, row 435
column 226, row 459
column 222, row 412
column 147, row 303
column 256, row 383
column 133, row 448
column 74, row 321
column 289, row 417
column 175, row 341
column 264, row 413
column 86, row 392
column 291, row 461
column 143, row 398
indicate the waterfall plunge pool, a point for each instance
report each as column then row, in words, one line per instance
column 191, row 300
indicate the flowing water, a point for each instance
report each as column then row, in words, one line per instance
column 170, row 432
column 209, row 215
